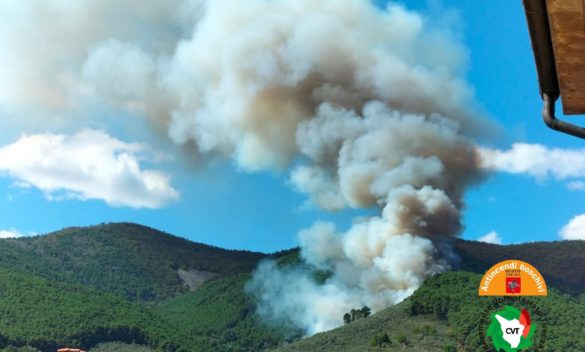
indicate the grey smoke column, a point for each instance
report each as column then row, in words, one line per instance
column 373, row 102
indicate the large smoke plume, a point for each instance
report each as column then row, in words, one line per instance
column 373, row 102
column 368, row 104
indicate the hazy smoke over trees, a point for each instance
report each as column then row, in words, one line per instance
column 370, row 101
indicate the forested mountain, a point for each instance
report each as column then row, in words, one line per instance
column 134, row 261
column 47, row 315
column 128, row 283
column 561, row 263
column 125, row 287
column 442, row 316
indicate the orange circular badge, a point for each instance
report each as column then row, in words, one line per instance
column 512, row 278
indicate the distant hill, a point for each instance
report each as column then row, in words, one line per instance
column 137, row 262
column 126, row 287
column 561, row 263
column 93, row 270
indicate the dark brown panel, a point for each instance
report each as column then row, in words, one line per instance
column 567, row 23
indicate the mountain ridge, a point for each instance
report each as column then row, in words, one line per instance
column 143, row 262
column 124, row 262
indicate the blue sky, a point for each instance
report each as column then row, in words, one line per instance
column 221, row 205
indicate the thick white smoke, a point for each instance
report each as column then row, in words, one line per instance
column 370, row 102
column 374, row 103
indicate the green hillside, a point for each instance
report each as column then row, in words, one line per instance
column 220, row 317
column 124, row 287
column 47, row 315
column 561, row 263
column 121, row 347
column 394, row 325
column 452, row 298
column 139, row 267
column 443, row 315
column 136, row 262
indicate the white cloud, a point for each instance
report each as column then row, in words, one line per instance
column 491, row 237
column 536, row 160
column 576, row 186
column 11, row 233
column 575, row 229
column 89, row 164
